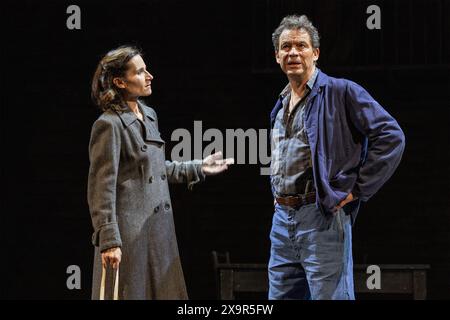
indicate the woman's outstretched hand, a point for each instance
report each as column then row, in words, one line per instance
column 215, row 163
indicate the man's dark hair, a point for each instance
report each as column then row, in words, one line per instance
column 295, row 22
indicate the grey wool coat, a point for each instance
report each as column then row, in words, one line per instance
column 130, row 206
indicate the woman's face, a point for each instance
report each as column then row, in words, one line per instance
column 137, row 80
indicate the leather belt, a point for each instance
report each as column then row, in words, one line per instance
column 297, row 201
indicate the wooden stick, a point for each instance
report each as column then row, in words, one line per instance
column 103, row 284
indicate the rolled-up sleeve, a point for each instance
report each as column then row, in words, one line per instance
column 104, row 155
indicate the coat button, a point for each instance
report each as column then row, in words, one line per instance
column 167, row 206
column 144, row 148
column 163, row 177
column 156, row 209
column 150, row 180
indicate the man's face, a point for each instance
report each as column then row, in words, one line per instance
column 137, row 80
column 295, row 54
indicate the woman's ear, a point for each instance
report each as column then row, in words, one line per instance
column 118, row 82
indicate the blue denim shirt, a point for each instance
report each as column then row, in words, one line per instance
column 291, row 168
column 356, row 145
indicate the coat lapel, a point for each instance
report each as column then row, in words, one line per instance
column 127, row 117
column 151, row 133
column 313, row 109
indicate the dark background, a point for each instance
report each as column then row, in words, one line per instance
column 213, row 61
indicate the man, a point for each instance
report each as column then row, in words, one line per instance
column 333, row 146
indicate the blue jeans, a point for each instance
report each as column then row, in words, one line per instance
column 311, row 255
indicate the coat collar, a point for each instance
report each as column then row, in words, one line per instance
column 146, row 111
column 320, row 83
column 128, row 117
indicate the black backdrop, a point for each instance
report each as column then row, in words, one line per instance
column 213, row 61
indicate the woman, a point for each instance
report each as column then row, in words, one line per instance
column 128, row 191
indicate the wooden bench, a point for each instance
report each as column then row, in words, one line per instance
column 235, row 278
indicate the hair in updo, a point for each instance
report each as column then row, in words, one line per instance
column 104, row 92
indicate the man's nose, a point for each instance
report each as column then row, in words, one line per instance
column 293, row 51
column 149, row 75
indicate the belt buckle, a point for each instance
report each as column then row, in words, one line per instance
column 303, row 199
column 289, row 200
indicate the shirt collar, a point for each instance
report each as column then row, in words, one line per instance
column 309, row 84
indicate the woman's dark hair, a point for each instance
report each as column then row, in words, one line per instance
column 104, row 92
